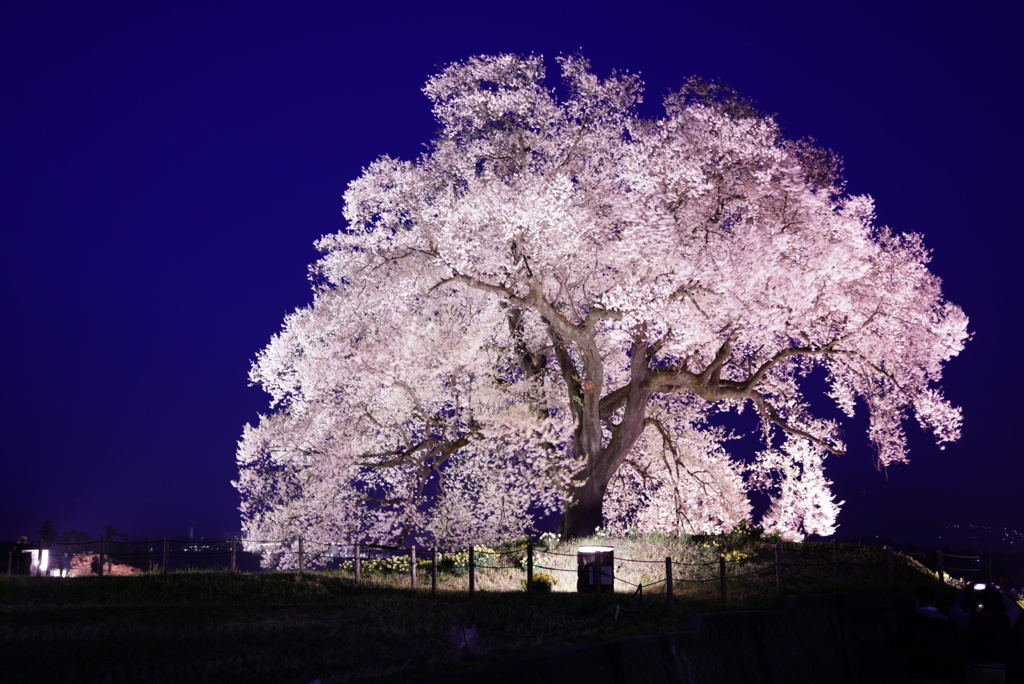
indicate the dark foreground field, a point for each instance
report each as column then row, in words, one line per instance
column 302, row 627
column 285, row 627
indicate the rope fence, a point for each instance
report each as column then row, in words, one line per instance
column 791, row 564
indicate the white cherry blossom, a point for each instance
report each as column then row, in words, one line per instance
column 544, row 310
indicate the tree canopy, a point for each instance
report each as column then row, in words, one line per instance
column 547, row 308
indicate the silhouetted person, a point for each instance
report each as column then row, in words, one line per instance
column 926, row 643
column 988, row 616
column 14, row 562
column 21, row 561
column 65, row 561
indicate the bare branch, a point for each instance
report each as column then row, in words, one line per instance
column 714, row 368
column 768, row 411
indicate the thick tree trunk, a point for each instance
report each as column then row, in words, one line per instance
column 583, row 514
column 584, row 511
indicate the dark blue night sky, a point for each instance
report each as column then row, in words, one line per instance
column 166, row 168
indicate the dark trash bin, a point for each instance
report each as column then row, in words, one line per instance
column 595, row 569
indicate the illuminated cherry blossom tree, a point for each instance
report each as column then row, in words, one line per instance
column 548, row 309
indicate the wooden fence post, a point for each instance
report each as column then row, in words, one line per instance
column 529, row 566
column 358, row 562
column 669, row 583
column 472, row 571
column 103, row 549
column 167, row 554
column 778, row 566
column 433, row 572
column 412, row 566
column 721, row 580
column 234, row 554
column 942, row 571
